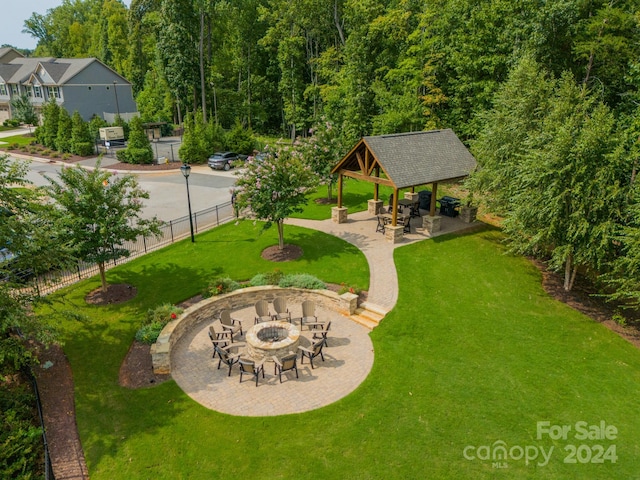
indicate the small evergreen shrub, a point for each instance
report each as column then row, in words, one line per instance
column 301, row 280
column 139, row 155
column 219, row 286
column 149, row 333
column 84, row 149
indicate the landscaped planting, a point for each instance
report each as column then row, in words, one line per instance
column 473, row 357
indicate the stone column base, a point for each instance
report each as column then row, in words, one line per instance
column 374, row 206
column 339, row 214
column 394, row 234
column 431, row 224
column 413, row 196
column 349, row 302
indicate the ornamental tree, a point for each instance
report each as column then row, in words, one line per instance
column 100, row 212
column 322, row 151
column 275, row 187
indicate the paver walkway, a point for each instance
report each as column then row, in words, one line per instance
column 360, row 230
column 348, row 359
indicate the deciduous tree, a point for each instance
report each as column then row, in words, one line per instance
column 100, row 213
column 275, row 187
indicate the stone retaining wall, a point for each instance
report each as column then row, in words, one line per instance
column 208, row 310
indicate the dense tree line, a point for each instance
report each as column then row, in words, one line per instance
column 546, row 93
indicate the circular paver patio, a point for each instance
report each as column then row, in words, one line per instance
column 348, row 360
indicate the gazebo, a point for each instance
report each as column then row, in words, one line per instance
column 404, row 161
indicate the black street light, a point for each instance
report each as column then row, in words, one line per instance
column 186, row 170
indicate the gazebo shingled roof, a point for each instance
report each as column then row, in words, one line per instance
column 409, row 159
column 406, row 160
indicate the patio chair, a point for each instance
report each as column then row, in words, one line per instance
column 249, row 367
column 262, row 311
column 227, row 357
column 287, row 363
column 322, row 333
column 308, row 313
column 282, row 312
column 229, row 324
column 313, row 352
column 217, row 338
column 383, row 221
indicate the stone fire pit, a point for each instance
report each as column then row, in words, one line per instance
column 268, row 339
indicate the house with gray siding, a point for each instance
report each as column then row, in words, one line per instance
column 83, row 84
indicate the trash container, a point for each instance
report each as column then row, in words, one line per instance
column 424, row 199
column 449, row 206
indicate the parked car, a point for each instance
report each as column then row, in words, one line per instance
column 224, row 160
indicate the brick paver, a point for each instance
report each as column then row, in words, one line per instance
column 348, row 360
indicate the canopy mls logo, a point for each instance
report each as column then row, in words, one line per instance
column 500, row 454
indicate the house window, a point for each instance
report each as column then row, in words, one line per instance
column 29, row 91
column 37, row 91
column 3, row 89
column 54, row 92
column 15, row 89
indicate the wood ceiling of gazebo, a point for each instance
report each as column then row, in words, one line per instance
column 406, row 160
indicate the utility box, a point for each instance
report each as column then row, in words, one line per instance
column 111, row 133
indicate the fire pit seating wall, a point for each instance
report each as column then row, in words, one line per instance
column 207, row 311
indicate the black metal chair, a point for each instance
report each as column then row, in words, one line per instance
column 282, row 312
column 226, row 357
column 217, row 338
column 313, row 352
column 249, row 367
column 285, row 364
column 322, row 333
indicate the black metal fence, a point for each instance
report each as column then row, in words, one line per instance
column 172, row 231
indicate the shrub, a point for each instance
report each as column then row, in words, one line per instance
column 302, row 280
column 149, row 333
column 349, row 288
column 11, row 122
column 66, row 156
column 139, row 155
column 262, row 279
column 20, row 438
column 219, row 286
column 84, row 149
column 155, row 321
column 163, row 314
column 14, row 146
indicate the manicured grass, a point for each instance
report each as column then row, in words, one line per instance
column 356, row 194
column 475, row 352
column 21, row 140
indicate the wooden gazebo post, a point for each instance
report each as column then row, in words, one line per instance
column 339, row 213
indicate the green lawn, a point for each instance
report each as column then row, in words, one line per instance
column 474, row 353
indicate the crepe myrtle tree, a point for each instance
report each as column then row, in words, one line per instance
column 322, row 151
column 101, row 211
column 275, row 187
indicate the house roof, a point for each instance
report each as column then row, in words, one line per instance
column 408, row 159
column 61, row 70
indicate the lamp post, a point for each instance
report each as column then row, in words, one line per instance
column 186, row 170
